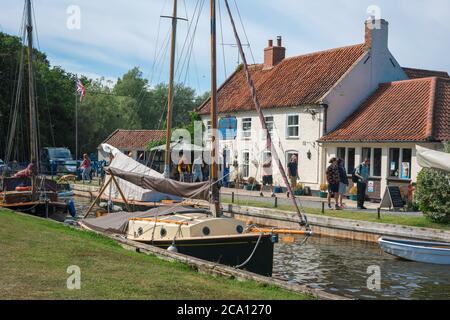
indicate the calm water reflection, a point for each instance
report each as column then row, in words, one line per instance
column 340, row 266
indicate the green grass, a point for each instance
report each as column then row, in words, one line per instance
column 421, row 222
column 36, row 253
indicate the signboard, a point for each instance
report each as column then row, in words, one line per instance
column 370, row 187
column 405, row 170
column 392, row 198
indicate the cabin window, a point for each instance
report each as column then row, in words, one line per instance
column 246, row 128
column 292, row 126
column 245, row 164
column 351, row 159
column 377, row 157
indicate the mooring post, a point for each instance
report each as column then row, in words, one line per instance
column 379, row 213
column 323, row 207
column 46, row 208
column 276, row 202
column 232, row 197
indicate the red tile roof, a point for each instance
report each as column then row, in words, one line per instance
column 295, row 81
column 410, row 110
column 420, row 73
column 134, row 139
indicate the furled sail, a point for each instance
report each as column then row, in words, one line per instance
column 199, row 190
column 427, row 158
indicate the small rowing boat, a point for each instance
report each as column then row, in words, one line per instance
column 419, row 251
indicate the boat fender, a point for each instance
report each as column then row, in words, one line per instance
column 172, row 248
column 72, row 209
column 23, row 188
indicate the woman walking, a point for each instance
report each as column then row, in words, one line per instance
column 86, row 167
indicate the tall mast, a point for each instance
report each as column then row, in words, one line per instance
column 34, row 153
column 170, row 91
column 215, row 199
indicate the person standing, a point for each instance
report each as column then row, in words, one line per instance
column 362, row 173
column 333, row 182
column 86, row 168
column 197, row 169
column 293, row 172
column 183, row 169
column 267, row 174
column 343, row 182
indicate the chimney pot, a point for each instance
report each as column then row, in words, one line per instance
column 270, row 44
column 279, row 41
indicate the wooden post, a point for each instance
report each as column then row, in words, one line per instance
column 323, row 207
column 98, row 197
column 121, row 193
column 232, row 197
column 379, row 213
column 276, row 202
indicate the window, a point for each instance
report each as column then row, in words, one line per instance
column 245, row 164
column 292, row 126
column 394, row 159
column 246, row 128
column 377, row 156
column 406, row 164
column 366, row 154
column 269, row 124
column 208, row 129
column 341, row 153
column 351, row 160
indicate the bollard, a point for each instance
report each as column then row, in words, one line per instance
column 379, row 213
column 276, row 202
column 323, row 207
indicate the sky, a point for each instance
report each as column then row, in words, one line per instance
column 106, row 38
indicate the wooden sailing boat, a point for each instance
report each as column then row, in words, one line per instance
column 31, row 192
column 202, row 233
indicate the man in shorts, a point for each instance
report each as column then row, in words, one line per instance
column 267, row 174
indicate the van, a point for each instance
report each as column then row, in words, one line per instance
column 58, row 160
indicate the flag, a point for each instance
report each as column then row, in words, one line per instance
column 80, row 89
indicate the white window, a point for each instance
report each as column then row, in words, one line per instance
column 245, row 164
column 292, row 126
column 246, row 128
column 269, row 124
column 208, row 130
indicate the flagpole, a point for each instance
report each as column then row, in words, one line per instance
column 76, row 127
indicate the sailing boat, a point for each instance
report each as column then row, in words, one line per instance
column 28, row 191
column 202, row 233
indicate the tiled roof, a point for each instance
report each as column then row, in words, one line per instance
column 420, row 73
column 410, row 110
column 294, row 81
column 134, row 139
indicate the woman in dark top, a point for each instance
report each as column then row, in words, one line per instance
column 343, row 181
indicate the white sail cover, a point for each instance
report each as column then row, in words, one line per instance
column 131, row 191
column 428, row 158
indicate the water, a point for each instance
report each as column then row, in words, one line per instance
column 340, row 267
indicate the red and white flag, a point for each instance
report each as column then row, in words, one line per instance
column 80, row 89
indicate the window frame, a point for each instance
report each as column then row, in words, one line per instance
column 245, row 164
column 246, row 134
column 288, row 126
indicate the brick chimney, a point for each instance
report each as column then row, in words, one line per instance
column 376, row 34
column 273, row 55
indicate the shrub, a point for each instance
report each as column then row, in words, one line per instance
column 433, row 194
column 323, row 187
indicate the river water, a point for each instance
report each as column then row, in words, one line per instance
column 341, row 267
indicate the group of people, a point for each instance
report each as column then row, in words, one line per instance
column 338, row 182
column 267, row 173
column 197, row 172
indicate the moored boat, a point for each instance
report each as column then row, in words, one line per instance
column 418, row 251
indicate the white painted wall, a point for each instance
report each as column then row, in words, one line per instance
column 309, row 132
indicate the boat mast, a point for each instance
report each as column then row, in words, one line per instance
column 170, row 91
column 215, row 196
column 34, row 154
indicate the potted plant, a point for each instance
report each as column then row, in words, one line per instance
column 353, row 193
column 299, row 189
column 323, row 190
column 252, row 185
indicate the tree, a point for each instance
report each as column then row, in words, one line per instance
column 433, row 193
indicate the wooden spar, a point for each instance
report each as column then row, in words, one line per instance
column 98, row 197
column 170, row 91
column 279, row 231
column 261, row 115
column 161, row 221
column 34, row 154
column 215, row 197
column 121, row 193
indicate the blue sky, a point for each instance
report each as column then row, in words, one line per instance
column 116, row 35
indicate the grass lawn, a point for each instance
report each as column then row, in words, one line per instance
column 35, row 255
column 421, row 222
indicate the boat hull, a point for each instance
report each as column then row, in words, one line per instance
column 230, row 251
column 418, row 251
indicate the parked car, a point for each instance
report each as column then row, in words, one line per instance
column 58, row 160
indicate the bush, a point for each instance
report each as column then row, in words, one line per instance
column 433, row 194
